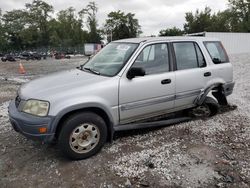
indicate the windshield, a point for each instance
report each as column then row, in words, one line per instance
column 110, row 60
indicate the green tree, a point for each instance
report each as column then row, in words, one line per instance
column 240, row 15
column 120, row 25
column 171, row 32
column 234, row 19
column 3, row 38
column 68, row 28
column 13, row 23
column 221, row 22
column 206, row 21
column 198, row 22
column 90, row 13
column 38, row 15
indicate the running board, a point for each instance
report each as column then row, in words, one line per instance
column 160, row 123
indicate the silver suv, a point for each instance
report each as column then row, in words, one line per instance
column 127, row 85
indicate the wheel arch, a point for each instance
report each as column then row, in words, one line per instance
column 217, row 92
column 58, row 123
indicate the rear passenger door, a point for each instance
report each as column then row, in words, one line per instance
column 191, row 70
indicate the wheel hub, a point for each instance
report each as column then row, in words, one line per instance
column 84, row 138
column 201, row 111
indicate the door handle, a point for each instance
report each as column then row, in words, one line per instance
column 166, row 81
column 206, row 74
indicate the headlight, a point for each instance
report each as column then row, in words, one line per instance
column 36, row 107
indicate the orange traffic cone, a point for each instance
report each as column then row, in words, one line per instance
column 21, row 69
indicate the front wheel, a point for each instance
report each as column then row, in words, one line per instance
column 82, row 135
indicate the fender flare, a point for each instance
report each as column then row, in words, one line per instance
column 202, row 96
column 224, row 89
column 70, row 109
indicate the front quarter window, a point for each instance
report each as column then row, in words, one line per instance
column 110, row 60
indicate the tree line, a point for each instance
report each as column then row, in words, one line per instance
column 236, row 18
column 37, row 26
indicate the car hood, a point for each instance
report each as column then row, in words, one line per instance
column 51, row 85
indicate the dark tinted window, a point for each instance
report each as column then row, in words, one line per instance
column 154, row 59
column 217, row 52
column 200, row 57
column 186, row 57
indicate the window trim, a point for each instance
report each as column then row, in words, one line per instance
column 196, row 54
column 196, row 44
column 170, row 59
column 224, row 50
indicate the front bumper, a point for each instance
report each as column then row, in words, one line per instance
column 29, row 125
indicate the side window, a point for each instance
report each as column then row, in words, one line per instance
column 216, row 52
column 200, row 57
column 185, row 53
column 153, row 59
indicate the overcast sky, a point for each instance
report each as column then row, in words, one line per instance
column 153, row 15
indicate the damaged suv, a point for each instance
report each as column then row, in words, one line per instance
column 127, row 85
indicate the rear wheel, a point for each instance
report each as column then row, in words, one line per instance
column 201, row 111
column 82, row 135
column 208, row 108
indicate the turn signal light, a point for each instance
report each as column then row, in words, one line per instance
column 42, row 129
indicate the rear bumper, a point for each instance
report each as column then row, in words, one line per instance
column 29, row 125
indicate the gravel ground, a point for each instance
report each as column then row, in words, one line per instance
column 202, row 153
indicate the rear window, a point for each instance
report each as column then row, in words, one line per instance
column 216, row 52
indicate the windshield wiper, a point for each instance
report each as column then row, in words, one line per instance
column 80, row 67
column 91, row 70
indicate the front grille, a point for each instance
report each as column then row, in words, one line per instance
column 17, row 101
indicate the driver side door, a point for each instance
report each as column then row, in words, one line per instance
column 152, row 94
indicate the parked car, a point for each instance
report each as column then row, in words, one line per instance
column 36, row 56
column 126, row 86
column 43, row 55
column 59, row 55
column 30, row 56
column 24, row 56
column 8, row 57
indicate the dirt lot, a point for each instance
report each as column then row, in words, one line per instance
column 201, row 153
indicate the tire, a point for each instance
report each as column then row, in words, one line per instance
column 213, row 105
column 82, row 135
column 208, row 108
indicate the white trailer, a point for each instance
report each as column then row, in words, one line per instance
column 89, row 49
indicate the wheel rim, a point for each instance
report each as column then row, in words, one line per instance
column 201, row 111
column 84, row 138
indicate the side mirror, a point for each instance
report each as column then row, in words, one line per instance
column 135, row 71
column 216, row 60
